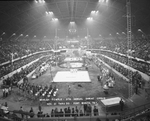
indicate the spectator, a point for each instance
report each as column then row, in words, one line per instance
column 56, row 112
column 66, row 112
column 85, row 109
column 32, row 112
column 121, row 104
column 76, row 111
column 4, row 107
column 73, row 112
column 52, row 113
column 61, row 113
column 95, row 110
column 40, row 113
column 81, row 113
column 98, row 119
column 21, row 111
column 47, row 115
column 69, row 111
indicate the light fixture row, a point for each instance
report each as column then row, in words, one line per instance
column 90, row 18
column 94, row 12
column 54, row 19
column 39, row 1
column 49, row 13
column 103, row 1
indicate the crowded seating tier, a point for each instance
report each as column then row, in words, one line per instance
column 20, row 49
column 140, row 46
column 6, row 69
column 24, row 72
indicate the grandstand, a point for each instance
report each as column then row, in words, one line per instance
column 74, row 60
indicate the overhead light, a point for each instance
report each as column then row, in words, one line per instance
column 102, row 1
column 54, row 19
column 107, row 1
column 123, row 32
column 92, row 12
column 72, row 22
column 36, row 1
column 3, row 33
column 49, row 13
column 90, row 18
column 97, row 12
column 43, row 1
column 39, row 1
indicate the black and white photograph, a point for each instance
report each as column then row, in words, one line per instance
column 75, row 60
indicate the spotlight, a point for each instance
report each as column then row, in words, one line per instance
column 97, row 12
column 72, row 22
column 54, row 19
column 51, row 13
column 43, row 1
column 107, row 1
column 102, row 1
column 92, row 12
column 36, row 1
column 90, row 18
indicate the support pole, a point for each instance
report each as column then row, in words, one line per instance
column 129, row 47
column 56, row 39
column 87, row 38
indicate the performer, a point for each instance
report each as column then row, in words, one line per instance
column 86, row 68
column 69, row 90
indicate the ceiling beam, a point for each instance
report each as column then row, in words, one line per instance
column 58, row 9
column 87, row 3
column 74, row 8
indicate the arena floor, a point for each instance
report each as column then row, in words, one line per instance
column 82, row 89
column 91, row 89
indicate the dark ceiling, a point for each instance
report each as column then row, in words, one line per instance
column 27, row 17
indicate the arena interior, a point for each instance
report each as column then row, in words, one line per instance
column 75, row 60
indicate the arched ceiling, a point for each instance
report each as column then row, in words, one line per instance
column 28, row 17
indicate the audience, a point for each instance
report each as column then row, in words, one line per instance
column 139, row 65
column 140, row 46
column 21, row 48
column 6, row 69
column 140, row 49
